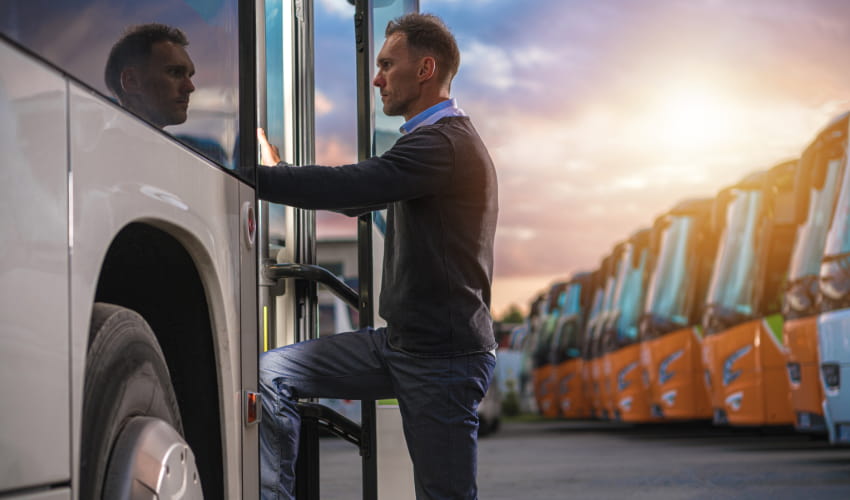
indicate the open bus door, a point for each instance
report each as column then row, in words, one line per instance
column 743, row 350
column 671, row 339
column 817, row 185
column 628, row 399
column 289, row 277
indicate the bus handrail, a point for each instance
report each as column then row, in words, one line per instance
column 315, row 273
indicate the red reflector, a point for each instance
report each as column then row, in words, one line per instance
column 252, row 408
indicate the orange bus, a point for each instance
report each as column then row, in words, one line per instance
column 817, row 180
column 671, row 339
column 542, row 371
column 594, row 370
column 567, row 345
column 742, row 350
column 627, row 398
column 587, row 354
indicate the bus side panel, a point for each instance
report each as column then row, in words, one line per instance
column 629, row 393
column 125, row 171
column 34, row 435
column 713, row 366
column 833, row 328
column 736, row 362
column 801, row 340
column 543, row 389
column 572, row 400
column 751, row 376
column 250, row 342
column 677, row 376
column 773, row 376
column 597, row 379
column 609, row 404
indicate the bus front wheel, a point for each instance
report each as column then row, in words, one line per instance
column 132, row 444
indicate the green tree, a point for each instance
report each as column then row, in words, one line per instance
column 513, row 315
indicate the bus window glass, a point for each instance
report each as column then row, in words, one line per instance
column 811, row 236
column 386, row 127
column 838, row 237
column 189, row 92
column 731, row 293
column 668, row 291
column 630, row 294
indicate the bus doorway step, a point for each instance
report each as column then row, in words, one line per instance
column 316, row 418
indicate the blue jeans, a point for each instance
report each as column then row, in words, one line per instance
column 438, row 399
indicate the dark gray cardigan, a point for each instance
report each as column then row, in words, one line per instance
column 439, row 186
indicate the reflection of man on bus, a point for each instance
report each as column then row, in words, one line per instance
column 150, row 73
column 436, row 354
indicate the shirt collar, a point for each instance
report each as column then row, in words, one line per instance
column 432, row 115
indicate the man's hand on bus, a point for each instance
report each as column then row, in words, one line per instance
column 269, row 154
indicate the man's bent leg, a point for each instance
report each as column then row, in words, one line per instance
column 438, row 399
column 347, row 365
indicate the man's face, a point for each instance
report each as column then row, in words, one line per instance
column 162, row 85
column 397, row 77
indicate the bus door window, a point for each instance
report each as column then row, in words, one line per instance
column 189, row 91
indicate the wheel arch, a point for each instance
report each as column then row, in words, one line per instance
column 153, row 269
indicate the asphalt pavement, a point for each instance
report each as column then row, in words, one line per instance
column 554, row 460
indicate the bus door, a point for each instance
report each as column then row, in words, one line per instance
column 743, row 348
column 817, row 186
column 289, row 277
column 671, row 340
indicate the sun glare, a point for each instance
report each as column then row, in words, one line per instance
column 693, row 118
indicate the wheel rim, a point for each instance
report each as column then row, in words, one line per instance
column 151, row 458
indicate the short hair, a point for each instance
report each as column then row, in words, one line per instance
column 134, row 47
column 427, row 33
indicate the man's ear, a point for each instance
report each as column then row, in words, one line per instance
column 130, row 83
column 427, row 68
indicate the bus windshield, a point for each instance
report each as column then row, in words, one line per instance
column 731, row 293
column 592, row 320
column 571, row 302
column 835, row 269
column 800, row 297
column 630, row 293
column 667, row 299
column 602, row 319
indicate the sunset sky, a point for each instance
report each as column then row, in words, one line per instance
column 602, row 114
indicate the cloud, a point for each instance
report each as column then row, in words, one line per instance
column 323, row 104
column 489, row 66
column 338, row 8
column 601, row 115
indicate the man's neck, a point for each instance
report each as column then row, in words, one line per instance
column 425, row 104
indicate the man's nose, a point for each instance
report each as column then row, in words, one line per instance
column 378, row 81
column 188, row 86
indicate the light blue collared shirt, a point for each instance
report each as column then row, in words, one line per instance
column 432, row 115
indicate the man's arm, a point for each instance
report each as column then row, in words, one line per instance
column 418, row 165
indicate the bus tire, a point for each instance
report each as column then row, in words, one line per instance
column 129, row 410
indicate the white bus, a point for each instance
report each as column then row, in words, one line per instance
column 140, row 277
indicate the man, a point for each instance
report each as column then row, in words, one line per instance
column 150, row 73
column 439, row 186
